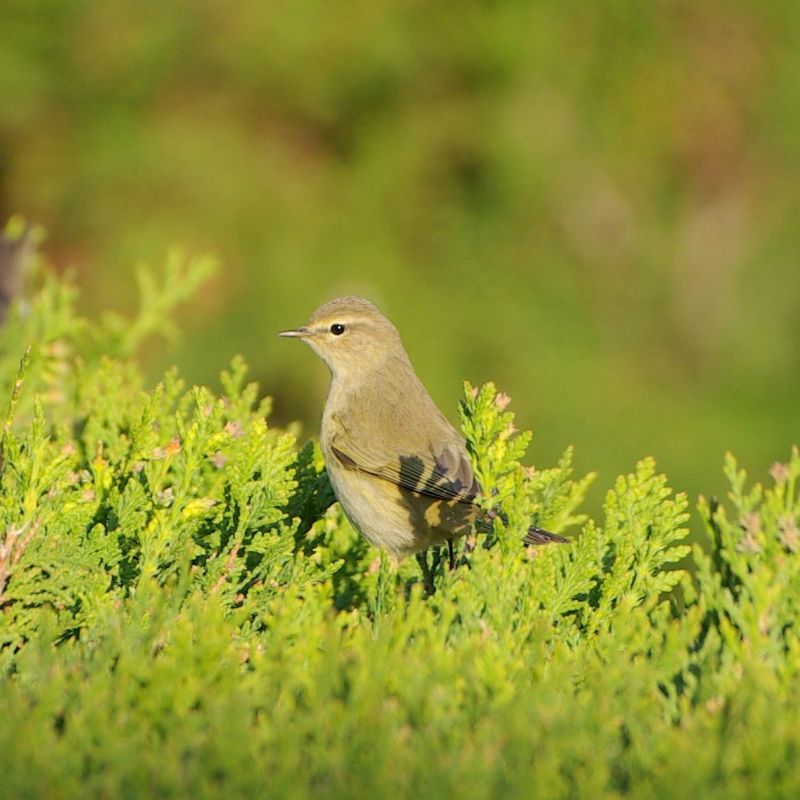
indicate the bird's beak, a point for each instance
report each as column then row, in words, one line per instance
column 300, row 333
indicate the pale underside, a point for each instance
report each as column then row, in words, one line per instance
column 401, row 521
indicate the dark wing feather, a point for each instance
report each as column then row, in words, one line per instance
column 443, row 475
column 429, row 458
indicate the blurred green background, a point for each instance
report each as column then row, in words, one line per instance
column 593, row 204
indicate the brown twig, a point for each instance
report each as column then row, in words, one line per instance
column 13, row 546
column 227, row 571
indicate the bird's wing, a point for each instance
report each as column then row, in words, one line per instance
column 440, row 470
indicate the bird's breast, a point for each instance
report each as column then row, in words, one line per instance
column 375, row 508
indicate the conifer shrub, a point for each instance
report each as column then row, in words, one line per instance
column 184, row 611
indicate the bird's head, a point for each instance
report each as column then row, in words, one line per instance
column 350, row 335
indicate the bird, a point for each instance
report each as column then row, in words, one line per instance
column 400, row 471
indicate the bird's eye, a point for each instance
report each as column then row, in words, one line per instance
column 337, row 329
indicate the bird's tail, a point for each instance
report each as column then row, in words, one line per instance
column 535, row 535
column 540, row 536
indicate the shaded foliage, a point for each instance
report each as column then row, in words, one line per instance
column 175, row 584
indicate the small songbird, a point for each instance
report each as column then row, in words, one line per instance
column 399, row 469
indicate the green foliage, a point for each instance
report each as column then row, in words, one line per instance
column 183, row 612
column 749, row 578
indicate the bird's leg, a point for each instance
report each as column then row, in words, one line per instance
column 427, row 572
column 452, row 554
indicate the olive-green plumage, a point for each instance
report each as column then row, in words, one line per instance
column 399, row 469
